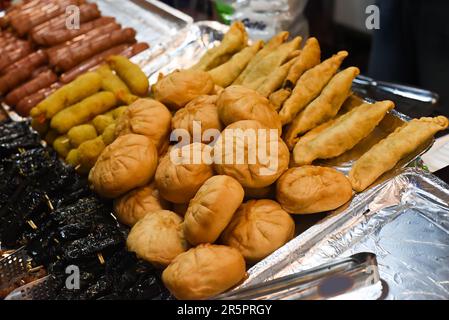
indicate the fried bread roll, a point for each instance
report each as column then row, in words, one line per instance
column 158, row 238
column 310, row 85
column 234, row 40
column 204, row 272
column 342, row 135
column 206, row 216
column 275, row 42
column 384, row 155
column 323, row 108
column 272, row 61
column 226, row 73
column 310, row 189
column 258, row 228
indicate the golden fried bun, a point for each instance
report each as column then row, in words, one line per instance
column 129, row 162
column 158, row 238
column 238, row 103
column 146, row 117
column 179, row 88
column 204, row 111
column 251, row 153
column 204, row 272
column 258, row 228
column 134, row 205
column 211, row 209
column 310, row 189
column 179, row 176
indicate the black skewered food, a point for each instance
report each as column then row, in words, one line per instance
column 48, row 208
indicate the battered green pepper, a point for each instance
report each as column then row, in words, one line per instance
column 112, row 83
column 81, row 133
column 117, row 112
column 108, row 135
column 89, row 152
column 73, row 158
column 131, row 74
column 62, row 146
column 83, row 111
column 79, row 89
column 102, row 121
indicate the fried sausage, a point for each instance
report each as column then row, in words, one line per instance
column 24, row 22
column 88, row 12
column 26, row 104
column 68, row 57
column 41, row 81
column 15, row 45
column 22, row 70
column 13, row 56
column 54, row 37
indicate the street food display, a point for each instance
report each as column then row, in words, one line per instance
column 197, row 221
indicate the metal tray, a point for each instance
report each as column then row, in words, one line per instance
column 404, row 221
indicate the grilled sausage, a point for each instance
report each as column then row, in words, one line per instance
column 21, row 71
column 88, row 12
column 72, row 55
column 24, row 22
column 11, row 57
column 26, row 104
column 54, row 37
column 41, row 81
column 124, row 50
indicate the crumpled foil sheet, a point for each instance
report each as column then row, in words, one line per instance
column 404, row 221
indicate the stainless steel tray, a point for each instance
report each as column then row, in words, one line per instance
column 404, row 221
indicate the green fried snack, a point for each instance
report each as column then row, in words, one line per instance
column 89, row 152
column 112, row 83
column 81, row 133
column 73, row 158
column 117, row 112
column 79, row 89
column 51, row 136
column 108, row 135
column 131, row 74
column 40, row 127
column 83, row 111
column 102, row 121
column 62, row 146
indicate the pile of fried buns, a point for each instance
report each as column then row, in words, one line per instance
column 203, row 221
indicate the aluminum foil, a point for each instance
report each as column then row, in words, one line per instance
column 404, row 221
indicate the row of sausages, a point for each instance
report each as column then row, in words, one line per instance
column 40, row 52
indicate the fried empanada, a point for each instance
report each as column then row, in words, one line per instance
column 310, row 85
column 233, row 41
column 323, row 108
column 310, row 57
column 272, row 61
column 225, row 74
column 278, row 98
column 275, row 79
column 275, row 42
column 342, row 134
column 388, row 152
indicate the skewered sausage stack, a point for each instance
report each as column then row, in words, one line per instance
column 40, row 52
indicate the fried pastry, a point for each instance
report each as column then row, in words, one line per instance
column 278, row 98
column 388, row 152
column 204, row 272
column 323, row 108
column 342, row 135
column 275, row 79
column 226, row 73
column 275, row 42
column 310, row 189
column 258, row 228
column 206, row 216
column 233, row 41
column 273, row 60
column 310, row 57
column 238, row 103
column 158, row 238
column 310, row 85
